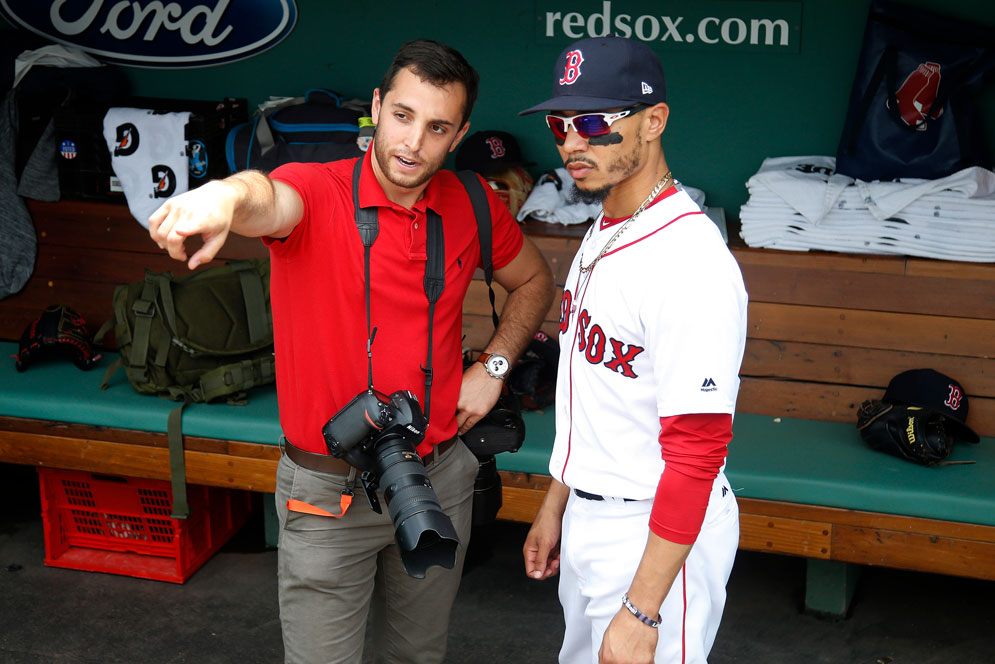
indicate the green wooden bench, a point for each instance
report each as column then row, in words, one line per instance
column 825, row 332
column 865, row 507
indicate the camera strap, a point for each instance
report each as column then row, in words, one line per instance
column 368, row 223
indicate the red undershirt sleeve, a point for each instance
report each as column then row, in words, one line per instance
column 694, row 449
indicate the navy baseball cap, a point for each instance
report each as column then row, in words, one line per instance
column 930, row 389
column 489, row 152
column 605, row 72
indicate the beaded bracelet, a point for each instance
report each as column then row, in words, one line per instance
column 639, row 614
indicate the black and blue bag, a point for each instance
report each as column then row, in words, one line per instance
column 319, row 127
column 911, row 111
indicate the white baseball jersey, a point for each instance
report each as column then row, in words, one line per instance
column 656, row 329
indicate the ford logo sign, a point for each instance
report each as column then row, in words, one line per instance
column 153, row 33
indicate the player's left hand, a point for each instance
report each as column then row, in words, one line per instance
column 477, row 396
column 627, row 641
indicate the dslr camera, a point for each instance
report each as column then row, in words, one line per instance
column 377, row 434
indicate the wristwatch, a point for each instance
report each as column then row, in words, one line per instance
column 497, row 366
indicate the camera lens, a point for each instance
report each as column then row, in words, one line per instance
column 424, row 532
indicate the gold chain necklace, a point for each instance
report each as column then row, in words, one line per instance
column 642, row 206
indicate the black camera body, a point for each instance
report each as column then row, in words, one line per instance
column 378, row 434
column 354, row 432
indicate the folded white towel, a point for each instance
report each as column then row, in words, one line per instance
column 551, row 203
column 149, row 155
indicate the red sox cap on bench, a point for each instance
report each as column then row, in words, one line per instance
column 600, row 73
column 489, row 152
column 930, row 389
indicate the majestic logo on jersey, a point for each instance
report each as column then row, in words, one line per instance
column 708, row 385
column 916, row 96
column 497, row 147
column 164, row 180
column 126, row 140
column 571, row 71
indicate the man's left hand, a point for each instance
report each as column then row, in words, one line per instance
column 627, row 641
column 478, row 394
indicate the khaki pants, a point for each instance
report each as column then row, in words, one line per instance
column 331, row 568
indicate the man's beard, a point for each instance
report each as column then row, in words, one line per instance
column 385, row 161
column 625, row 164
column 589, row 196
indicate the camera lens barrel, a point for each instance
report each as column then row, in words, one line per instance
column 424, row 532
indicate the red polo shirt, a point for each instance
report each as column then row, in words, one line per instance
column 319, row 307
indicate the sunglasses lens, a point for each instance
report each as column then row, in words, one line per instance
column 557, row 126
column 591, row 125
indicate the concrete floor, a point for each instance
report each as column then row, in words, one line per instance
column 227, row 612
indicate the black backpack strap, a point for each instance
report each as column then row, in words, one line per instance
column 482, row 213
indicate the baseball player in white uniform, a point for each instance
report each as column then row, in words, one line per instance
column 639, row 521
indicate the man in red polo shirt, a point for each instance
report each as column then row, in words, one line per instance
column 332, row 565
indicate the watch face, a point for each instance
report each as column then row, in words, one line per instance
column 497, row 365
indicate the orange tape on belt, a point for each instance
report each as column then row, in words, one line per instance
column 305, row 508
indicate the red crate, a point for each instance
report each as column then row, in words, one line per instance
column 122, row 525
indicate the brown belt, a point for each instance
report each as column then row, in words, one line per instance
column 325, row 463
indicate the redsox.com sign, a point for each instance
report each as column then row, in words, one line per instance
column 756, row 26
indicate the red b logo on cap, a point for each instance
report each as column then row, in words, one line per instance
column 953, row 401
column 496, row 146
column 572, row 71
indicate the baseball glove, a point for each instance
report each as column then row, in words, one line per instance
column 60, row 332
column 909, row 432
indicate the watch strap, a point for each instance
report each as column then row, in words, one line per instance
column 484, row 358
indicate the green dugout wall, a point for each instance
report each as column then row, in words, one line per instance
column 732, row 104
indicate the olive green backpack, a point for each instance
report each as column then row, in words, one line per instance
column 202, row 337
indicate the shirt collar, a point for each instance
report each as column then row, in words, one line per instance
column 607, row 222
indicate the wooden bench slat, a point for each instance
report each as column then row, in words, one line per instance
column 788, row 536
column 150, row 462
column 110, row 226
column 867, row 520
column 28, row 428
column 872, row 329
column 820, row 260
column 92, row 300
column 859, row 366
column 914, row 551
column 870, row 291
column 105, row 266
column 520, row 504
column 927, row 267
